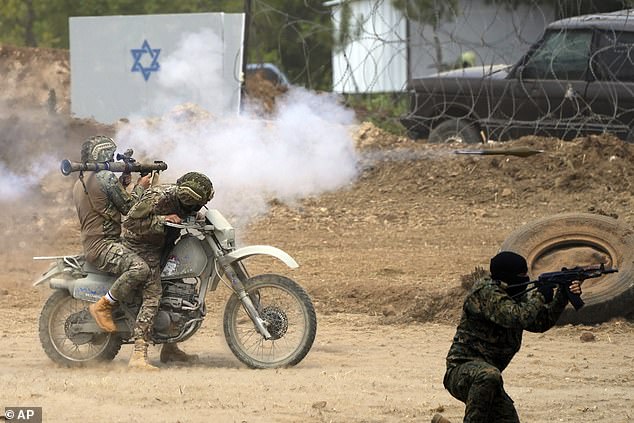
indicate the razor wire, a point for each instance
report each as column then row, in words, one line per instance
column 378, row 47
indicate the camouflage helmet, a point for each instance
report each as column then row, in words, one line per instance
column 194, row 189
column 98, row 149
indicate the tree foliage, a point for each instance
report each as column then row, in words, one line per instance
column 44, row 23
column 297, row 35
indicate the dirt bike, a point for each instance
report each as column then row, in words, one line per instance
column 269, row 320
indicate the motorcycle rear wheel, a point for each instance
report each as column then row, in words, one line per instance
column 57, row 341
column 290, row 317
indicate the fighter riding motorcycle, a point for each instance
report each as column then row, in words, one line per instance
column 269, row 320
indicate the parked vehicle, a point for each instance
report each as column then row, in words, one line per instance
column 269, row 320
column 578, row 79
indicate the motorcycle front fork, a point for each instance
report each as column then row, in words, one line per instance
column 247, row 302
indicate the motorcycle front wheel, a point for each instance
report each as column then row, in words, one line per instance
column 290, row 319
column 63, row 344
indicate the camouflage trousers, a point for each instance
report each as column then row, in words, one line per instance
column 152, row 291
column 480, row 386
column 133, row 271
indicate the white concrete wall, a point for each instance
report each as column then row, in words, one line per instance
column 191, row 58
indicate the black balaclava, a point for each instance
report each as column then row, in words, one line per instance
column 507, row 267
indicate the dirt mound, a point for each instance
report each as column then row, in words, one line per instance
column 261, row 93
column 426, row 196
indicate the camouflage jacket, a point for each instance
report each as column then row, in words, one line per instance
column 100, row 200
column 492, row 323
column 144, row 225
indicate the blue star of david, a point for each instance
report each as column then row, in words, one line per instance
column 137, row 54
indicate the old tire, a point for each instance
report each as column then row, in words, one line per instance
column 55, row 325
column 570, row 239
column 455, row 130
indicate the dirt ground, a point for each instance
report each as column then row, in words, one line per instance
column 382, row 258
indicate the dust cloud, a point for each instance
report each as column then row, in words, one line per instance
column 15, row 185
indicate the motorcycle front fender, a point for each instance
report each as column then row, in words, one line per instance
column 266, row 250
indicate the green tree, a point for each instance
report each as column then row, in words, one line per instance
column 44, row 23
column 295, row 35
column 18, row 22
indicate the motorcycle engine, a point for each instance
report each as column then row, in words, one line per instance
column 178, row 305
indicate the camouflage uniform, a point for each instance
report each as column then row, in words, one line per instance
column 144, row 233
column 488, row 336
column 101, row 200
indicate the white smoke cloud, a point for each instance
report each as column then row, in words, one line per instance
column 193, row 73
column 15, row 185
column 305, row 149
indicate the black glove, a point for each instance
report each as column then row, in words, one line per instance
column 548, row 291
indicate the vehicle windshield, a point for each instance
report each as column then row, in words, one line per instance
column 562, row 54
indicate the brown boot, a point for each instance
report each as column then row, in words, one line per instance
column 138, row 360
column 171, row 352
column 101, row 311
column 438, row 418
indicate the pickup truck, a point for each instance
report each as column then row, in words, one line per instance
column 577, row 80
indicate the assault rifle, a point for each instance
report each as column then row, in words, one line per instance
column 566, row 276
column 126, row 164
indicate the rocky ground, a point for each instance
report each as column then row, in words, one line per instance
column 383, row 258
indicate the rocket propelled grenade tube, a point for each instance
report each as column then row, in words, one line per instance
column 519, row 152
column 68, row 167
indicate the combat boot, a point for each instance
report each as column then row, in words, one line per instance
column 438, row 418
column 101, row 311
column 138, row 360
column 171, row 352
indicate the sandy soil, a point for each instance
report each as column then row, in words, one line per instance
column 383, row 261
